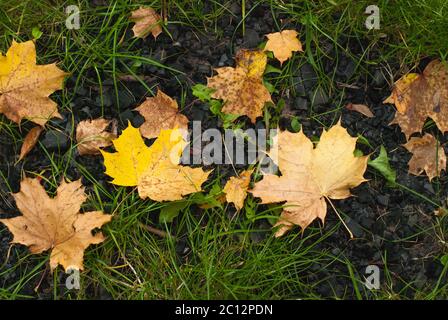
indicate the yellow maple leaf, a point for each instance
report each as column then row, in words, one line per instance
column 25, row 87
column 160, row 112
column 282, row 44
column 155, row 170
column 146, row 21
column 55, row 223
column 311, row 175
column 426, row 156
column 241, row 88
column 419, row 96
column 131, row 159
column 236, row 189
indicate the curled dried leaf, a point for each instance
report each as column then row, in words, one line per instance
column 427, row 156
column 92, row 135
column 30, row 141
column 146, row 21
column 361, row 108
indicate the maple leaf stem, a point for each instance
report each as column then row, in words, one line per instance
column 155, row 231
column 340, row 218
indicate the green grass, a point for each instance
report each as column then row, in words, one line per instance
column 224, row 260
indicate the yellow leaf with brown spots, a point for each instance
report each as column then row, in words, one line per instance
column 146, row 21
column 241, row 88
column 421, row 96
column 236, row 189
column 25, row 87
column 310, row 176
column 55, row 223
column 427, row 156
column 283, row 44
column 160, row 113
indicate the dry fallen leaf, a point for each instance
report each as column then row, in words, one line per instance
column 311, row 175
column 91, row 135
column 419, row 96
column 427, row 156
column 242, row 87
column 236, row 189
column 155, row 170
column 30, row 141
column 25, row 86
column 361, row 108
column 55, row 223
column 282, row 44
column 146, row 21
column 441, row 212
column 160, row 113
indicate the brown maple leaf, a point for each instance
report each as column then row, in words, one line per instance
column 241, row 88
column 146, row 21
column 310, row 176
column 421, row 96
column 427, row 156
column 160, row 113
column 55, row 223
column 25, row 86
column 92, row 135
column 282, row 44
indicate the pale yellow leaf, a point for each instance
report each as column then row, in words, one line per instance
column 283, row 44
column 236, row 189
column 310, row 175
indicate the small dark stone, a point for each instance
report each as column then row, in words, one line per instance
column 125, row 99
column 428, row 187
column 354, row 227
column 55, row 140
column 318, row 97
column 299, row 87
column 251, row 38
column 223, row 60
column 346, row 68
column 300, row 103
column 383, row 200
column 106, row 102
column 378, row 78
column 309, row 77
column 204, row 68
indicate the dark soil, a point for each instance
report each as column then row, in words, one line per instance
column 378, row 216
